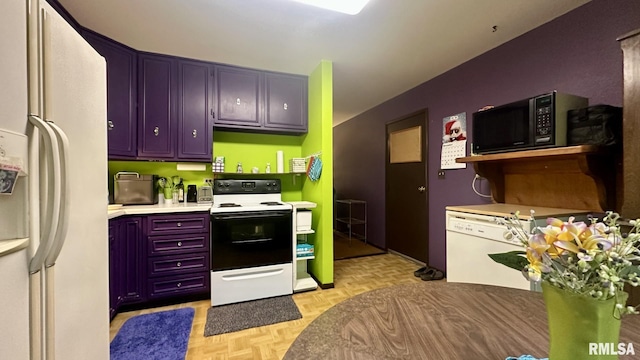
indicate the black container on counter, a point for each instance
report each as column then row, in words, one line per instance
column 192, row 193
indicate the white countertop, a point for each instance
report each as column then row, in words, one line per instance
column 156, row 209
column 500, row 209
column 302, row 204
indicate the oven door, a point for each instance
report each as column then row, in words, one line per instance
column 250, row 239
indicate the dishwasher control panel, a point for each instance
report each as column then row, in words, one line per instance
column 488, row 229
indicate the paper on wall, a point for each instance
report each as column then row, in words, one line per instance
column 450, row 152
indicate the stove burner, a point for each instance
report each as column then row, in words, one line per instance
column 270, row 203
column 223, row 205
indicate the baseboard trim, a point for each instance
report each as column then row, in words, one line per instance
column 407, row 257
column 322, row 285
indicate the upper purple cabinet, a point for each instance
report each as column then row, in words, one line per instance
column 286, row 102
column 195, row 110
column 260, row 101
column 157, row 110
column 239, row 97
column 121, row 95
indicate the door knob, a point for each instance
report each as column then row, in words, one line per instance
column 421, row 189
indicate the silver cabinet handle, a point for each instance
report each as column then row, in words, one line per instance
column 285, row 106
column 179, row 264
column 238, row 101
column 110, row 125
column 179, row 243
column 421, row 188
column 179, row 284
column 156, row 131
column 179, row 224
column 194, row 133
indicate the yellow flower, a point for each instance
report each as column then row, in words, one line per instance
column 578, row 238
column 558, row 230
column 536, row 266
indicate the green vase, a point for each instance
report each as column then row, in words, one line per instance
column 167, row 193
column 581, row 327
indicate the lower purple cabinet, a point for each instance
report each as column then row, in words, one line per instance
column 157, row 257
column 174, row 286
column 127, row 277
column 177, row 260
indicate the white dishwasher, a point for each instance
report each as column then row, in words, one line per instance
column 470, row 238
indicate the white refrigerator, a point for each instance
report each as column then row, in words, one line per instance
column 54, row 297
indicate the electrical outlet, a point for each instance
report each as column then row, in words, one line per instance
column 208, row 181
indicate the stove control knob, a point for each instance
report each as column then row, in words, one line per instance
column 226, row 184
column 220, row 185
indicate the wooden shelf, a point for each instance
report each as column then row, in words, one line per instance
column 532, row 154
column 578, row 177
column 257, row 174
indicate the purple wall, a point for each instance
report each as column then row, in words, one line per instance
column 576, row 53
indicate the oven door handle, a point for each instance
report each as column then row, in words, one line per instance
column 251, row 241
column 251, row 215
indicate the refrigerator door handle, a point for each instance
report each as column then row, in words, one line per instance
column 52, row 211
column 64, row 188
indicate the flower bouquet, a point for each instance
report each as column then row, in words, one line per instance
column 583, row 267
column 167, row 186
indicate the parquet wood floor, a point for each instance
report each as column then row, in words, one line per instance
column 351, row 277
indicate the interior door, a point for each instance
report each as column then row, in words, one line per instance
column 407, row 218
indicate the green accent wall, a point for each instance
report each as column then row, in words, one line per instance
column 256, row 150
column 319, row 139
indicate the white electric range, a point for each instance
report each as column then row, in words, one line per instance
column 251, row 248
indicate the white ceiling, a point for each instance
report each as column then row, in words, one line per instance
column 390, row 47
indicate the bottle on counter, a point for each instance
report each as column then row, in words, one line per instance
column 268, row 169
column 180, row 188
column 239, row 168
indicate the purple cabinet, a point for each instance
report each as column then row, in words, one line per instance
column 175, row 112
column 260, row 101
column 239, row 97
column 157, row 111
column 114, row 268
column 121, row 95
column 157, row 257
column 177, row 256
column 195, row 110
column 132, row 274
column 285, row 102
column 127, row 270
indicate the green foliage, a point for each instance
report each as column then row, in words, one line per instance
column 513, row 259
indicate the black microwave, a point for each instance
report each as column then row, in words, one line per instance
column 533, row 123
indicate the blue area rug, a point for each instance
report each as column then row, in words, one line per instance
column 157, row 336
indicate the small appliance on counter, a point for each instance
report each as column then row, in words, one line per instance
column 205, row 194
column 192, row 193
column 131, row 188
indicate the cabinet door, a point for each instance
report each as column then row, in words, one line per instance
column 157, row 106
column 114, row 268
column 132, row 260
column 195, row 110
column 286, row 102
column 238, row 92
column 121, row 95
